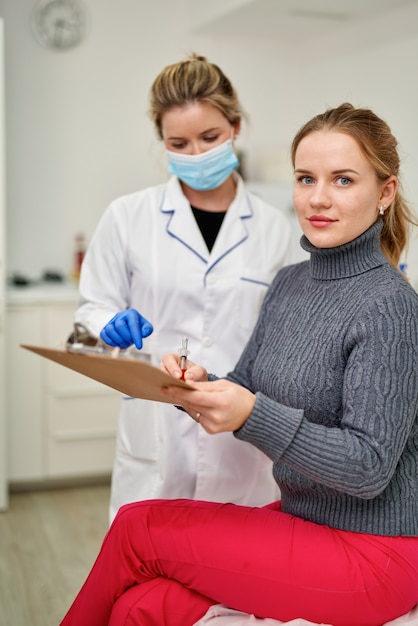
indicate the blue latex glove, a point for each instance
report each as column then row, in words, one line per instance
column 126, row 328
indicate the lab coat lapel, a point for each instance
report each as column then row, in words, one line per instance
column 181, row 223
column 235, row 227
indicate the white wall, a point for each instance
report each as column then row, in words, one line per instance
column 78, row 133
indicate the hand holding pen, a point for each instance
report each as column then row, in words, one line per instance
column 184, row 352
column 181, row 367
column 219, row 405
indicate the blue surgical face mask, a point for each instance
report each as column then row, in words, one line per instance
column 204, row 171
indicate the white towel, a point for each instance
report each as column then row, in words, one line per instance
column 220, row 615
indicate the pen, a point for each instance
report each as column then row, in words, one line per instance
column 184, row 352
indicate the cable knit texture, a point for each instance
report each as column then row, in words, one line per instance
column 333, row 361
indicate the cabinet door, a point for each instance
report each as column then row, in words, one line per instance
column 81, row 414
column 61, row 423
column 25, row 403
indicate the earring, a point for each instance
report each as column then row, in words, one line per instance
column 382, row 209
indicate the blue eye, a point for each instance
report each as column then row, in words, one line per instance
column 306, row 180
column 343, row 180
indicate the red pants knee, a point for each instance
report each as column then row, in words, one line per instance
column 159, row 602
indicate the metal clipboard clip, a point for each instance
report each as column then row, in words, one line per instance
column 81, row 341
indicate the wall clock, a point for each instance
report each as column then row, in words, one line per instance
column 59, row 24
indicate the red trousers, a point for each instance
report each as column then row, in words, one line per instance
column 164, row 562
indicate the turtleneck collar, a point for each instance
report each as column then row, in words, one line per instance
column 351, row 259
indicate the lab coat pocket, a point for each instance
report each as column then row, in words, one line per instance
column 251, row 292
column 138, row 429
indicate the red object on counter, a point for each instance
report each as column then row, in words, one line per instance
column 80, row 250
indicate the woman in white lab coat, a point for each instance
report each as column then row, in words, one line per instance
column 189, row 258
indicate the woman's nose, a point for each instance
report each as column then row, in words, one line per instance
column 195, row 148
column 320, row 196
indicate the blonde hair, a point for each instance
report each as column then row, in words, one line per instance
column 378, row 144
column 193, row 80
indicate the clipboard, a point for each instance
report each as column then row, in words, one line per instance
column 132, row 377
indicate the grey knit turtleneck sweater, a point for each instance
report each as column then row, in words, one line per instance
column 333, row 361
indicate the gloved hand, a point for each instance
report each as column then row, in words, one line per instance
column 126, row 328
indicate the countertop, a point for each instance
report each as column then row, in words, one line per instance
column 42, row 293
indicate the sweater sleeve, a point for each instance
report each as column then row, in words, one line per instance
column 358, row 455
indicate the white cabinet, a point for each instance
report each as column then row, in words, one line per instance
column 60, row 424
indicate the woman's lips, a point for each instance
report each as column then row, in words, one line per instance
column 320, row 221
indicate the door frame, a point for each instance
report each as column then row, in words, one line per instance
column 3, row 422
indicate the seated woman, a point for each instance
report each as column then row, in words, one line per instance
column 327, row 388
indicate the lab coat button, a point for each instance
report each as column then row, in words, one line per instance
column 207, row 342
column 211, row 280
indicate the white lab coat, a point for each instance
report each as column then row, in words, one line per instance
column 148, row 253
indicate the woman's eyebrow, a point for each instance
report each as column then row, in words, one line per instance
column 346, row 170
